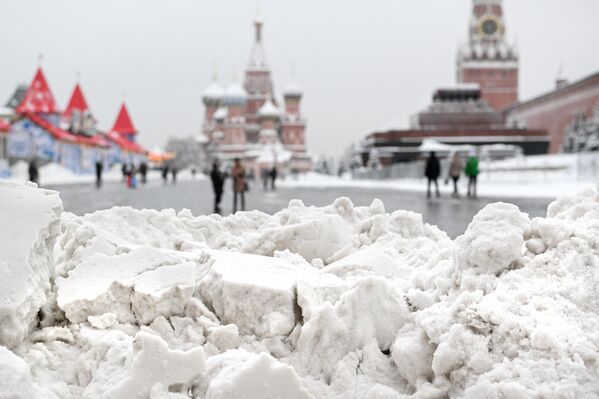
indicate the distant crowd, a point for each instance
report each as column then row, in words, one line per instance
column 456, row 167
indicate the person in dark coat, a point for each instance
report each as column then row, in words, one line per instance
column 143, row 171
column 34, row 174
column 273, row 177
column 165, row 173
column 99, row 169
column 174, row 173
column 432, row 172
column 239, row 184
column 218, row 183
column 124, row 171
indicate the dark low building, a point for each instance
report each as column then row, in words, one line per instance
column 457, row 116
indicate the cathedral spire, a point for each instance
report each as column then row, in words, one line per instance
column 258, row 55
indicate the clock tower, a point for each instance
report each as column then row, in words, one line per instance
column 487, row 58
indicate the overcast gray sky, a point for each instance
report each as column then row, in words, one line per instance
column 362, row 64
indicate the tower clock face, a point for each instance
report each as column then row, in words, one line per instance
column 489, row 27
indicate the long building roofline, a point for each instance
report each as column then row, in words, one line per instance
column 554, row 92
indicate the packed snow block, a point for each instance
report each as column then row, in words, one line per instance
column 257, row 293
column 494, row 239
column 30, row 224
column 372, row 310
column 147, row 363
column 136, row 286
column 413, row 352
column 244, row 375
column 15, row 379
column 305, row 231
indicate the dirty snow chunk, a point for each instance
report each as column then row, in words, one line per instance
column 102, row 321
column 224, row 337
column 494, row 239
column 164, row 291
column 257, row 293
column 15, row 379
column 149, row 362
column 551, row 230
column 30, row 224
column 375, row 259
column 256, row 376
column 303, row 231
column 412, row 352
column 109, row 284
column 372, row 310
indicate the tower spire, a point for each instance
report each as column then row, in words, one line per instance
column 258, row 56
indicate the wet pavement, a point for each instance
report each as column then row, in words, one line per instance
column 450, row 214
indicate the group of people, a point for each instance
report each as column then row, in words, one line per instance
column 240, row 184
column 173, row 171
column 130, row 172
column 269, row 175
column 456, row 168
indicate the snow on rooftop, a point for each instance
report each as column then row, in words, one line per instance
column 292, row 89
column 220, row 113
column 269, row 110
column 214, row 92
column 234, row 95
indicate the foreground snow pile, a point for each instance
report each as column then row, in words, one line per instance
column 331, row 302
column 30, row 224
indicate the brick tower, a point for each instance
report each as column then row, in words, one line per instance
column 488, row 59
column 293, row 124
column 258, row 82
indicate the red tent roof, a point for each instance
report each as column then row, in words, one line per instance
column 123, row 124
column 4, row 125
column 76, row 103
column 63, row 135
column 38, row 97
column 125, row 144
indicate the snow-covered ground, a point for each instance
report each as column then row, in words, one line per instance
column 488, row 186
column 331, row 302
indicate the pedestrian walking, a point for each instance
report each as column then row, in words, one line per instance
column 143, row 171
column 165, row 173
column 218, row 183
column 131, row 176
column 471, row 171
column 456, row 166
column 34, row 173
column 124, row 171
column 273, row 177
column 264, row 177
column 99, row 169
column 174, row 174
column 239, row 184
column 432, row 172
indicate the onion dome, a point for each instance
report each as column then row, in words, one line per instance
column 269, row 110
column 213, row 95
column 220, row 114
column 234, row 96
column 292, row 90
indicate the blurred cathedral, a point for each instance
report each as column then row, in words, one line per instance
column 251, row 124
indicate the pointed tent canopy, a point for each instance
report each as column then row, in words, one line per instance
column 123, row 124
column 38, row 98
column 76, row 103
